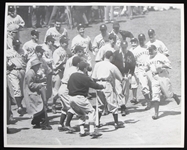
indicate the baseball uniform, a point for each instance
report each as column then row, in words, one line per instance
column 16, row 20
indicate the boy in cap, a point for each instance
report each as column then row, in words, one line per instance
column 16, row 67
column 56, row 32
column 159, row 64
column 29, row 46
column 14, row 18
column 159, row 44
column 78, row 86
column 82, row 40
column 60, row 57
column 35, row 97
column 100, row 39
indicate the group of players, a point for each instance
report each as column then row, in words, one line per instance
column 37, row 72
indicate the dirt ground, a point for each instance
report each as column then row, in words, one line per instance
column 140, row 129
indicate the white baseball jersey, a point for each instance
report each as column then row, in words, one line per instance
column 99, row 41
column 29, row 48
column 119, row 39
column 160, row 46
column 16, row 20
column 56, row 35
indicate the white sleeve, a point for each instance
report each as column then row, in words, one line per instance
column 22, row 22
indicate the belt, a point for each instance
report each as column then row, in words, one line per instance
column 140, row 65
column 64, row 83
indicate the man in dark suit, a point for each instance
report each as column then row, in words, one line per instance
column 125, row 61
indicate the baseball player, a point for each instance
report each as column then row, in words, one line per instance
column 141, row 55
column 159, row 64
column 16, row 74
column 78, row 86
column 59, row 57
column 100, row 39
column 134, row 80
column 84, row 41
column 56, row 32
column 109, row 46
column 159, row 44
column 14, row 18
column 64, row 97
column 29, row 46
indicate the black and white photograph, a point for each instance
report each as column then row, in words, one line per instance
column 94, row 75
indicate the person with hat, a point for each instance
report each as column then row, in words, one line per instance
column 78, row 87
column 115, row 31
column 82, row 40
column 35, row 97
column 29, row 46
column 159, row 64
column 64, row 97
column 110, row 45
column 14, row 18
column 105, row 73
column 134, row 80
column 56, row 32
column 100, row 39
column 161, row 47
column 45, row 72
column 124, row 60
column 12, row 33
column 60, row 57
column 16, row 68
column 141, row 55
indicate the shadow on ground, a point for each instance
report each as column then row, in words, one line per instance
column 15, row 130
column 169, row 113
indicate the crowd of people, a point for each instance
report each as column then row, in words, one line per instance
column 37, row 72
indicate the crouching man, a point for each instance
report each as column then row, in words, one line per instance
column 78, row 86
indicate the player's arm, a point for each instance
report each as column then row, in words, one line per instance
column 164, row 49
column 22, row 22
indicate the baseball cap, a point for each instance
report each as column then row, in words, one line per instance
column 141, row 37
column 16, row 42
column 35, row 62
column 64, row 39
column 80, row 25
column 39, row 49
column 116, row 25
column 50, row 38
column 103, row 27
column 108, row 54
column 11, row 9
column 13, row 28
column 78, row 47
column 35, row 32
column 82, row 65
column 151, row 32
column 134, row 40
column 112, row 36
column 76, row 60
column 152, row 47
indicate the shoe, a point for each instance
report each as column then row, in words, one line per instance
column 117, row 126
column 37, row 126
column 176, row 99
column 70, row 129
column 134, row 101
column 46, row 127
column 148, row 106
column 53, row 108
column 99, row 126
column 12, row 120
column 62, row 128
column 123, row 113
column 155, row 117
column 83, row 134
column 95, row 134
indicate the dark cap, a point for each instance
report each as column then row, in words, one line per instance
column 103, row 27
column 35, row 62
column 50, row 38
column 134, row 40
column 108, row 54
column 151, row 32
column 64, row 39
column 35, row 32
column 116, row 25
column 80, row 25
column 152, row 47
column 83, row 65
column 39, row 49
column 11, row 9
column 76, row 60
column 141, row 37
column 16, row 42
column 112, row 36
column 78, row 47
